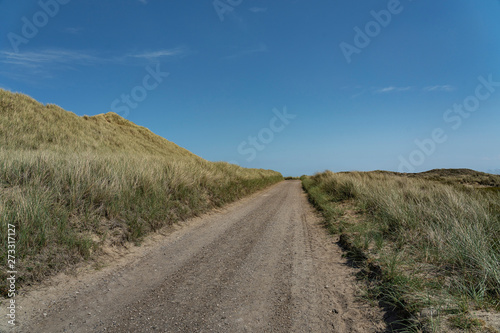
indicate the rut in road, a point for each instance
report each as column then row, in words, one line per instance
column 263, row 264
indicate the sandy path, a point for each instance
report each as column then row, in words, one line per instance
column 263, row 264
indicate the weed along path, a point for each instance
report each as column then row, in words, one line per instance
column 263, row 264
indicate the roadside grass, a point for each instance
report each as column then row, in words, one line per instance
column 72, row 184
column 430, row 249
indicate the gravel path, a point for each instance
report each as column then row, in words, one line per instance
column 263, row 264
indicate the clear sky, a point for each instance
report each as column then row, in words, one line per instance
column 296, row 86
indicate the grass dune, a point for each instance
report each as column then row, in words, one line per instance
column 435, row 234
column 71, row 184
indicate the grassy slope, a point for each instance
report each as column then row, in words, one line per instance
column 70, row 184
column 436, row 236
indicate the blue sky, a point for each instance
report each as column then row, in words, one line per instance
column 295, row 86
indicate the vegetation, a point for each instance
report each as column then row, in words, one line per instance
column 461, row 176
column 70, row 184
column 430, row 242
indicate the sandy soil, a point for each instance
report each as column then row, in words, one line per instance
column 263, row 264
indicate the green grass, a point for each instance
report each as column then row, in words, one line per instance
column 73, row 184
column 438, row 243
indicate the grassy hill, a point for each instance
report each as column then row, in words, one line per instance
column 29, row 125
column 461, row 176
column 70, row 184
column 430, row 241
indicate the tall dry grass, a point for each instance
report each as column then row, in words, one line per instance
column 439, row 237
column 70, row 184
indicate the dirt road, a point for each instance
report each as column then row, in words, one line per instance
column 263, row 264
